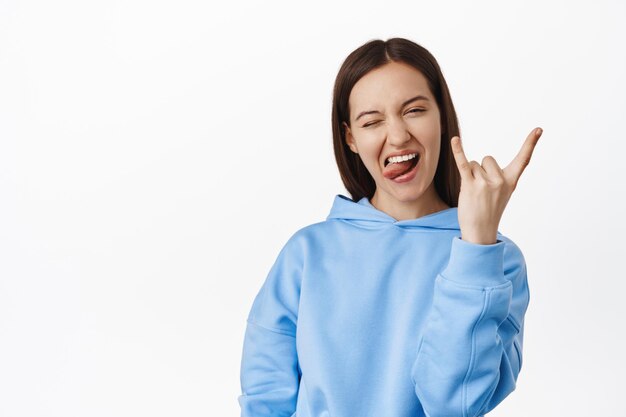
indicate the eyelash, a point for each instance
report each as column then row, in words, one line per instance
column 373, row 123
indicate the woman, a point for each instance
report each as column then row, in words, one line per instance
column 406, row 300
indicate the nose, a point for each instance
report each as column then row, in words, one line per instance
column 398, row 134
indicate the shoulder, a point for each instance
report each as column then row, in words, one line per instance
column 310, row 241
column 312, row 233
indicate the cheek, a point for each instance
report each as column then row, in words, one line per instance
column 432, row 134
column 369, row 149
column 431, row 129
column 370, row 158
column 435, row 149
column 428, row 132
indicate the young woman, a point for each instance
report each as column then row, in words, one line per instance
column 406, row 301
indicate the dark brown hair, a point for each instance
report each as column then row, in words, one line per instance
column 367, row 57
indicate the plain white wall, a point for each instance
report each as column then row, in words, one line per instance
column 155, row 156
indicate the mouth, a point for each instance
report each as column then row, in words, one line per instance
column 401, row 170
column 415, row 155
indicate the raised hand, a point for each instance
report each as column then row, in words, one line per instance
column 486, row 189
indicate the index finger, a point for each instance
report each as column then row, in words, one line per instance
column 459, row 156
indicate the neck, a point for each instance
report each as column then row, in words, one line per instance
column 428, row 203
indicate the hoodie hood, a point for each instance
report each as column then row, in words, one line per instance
column 363, row 213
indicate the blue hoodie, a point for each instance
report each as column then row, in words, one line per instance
column 362, row 315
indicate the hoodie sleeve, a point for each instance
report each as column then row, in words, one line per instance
column 470, row 352
column 270, row 373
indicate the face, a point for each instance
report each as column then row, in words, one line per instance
column 384, row 121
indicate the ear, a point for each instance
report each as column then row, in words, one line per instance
column 349, row 138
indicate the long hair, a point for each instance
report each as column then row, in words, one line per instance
column 373, row 54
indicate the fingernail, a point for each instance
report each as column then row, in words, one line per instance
column 539, row 131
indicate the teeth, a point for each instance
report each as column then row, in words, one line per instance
column 396, row 159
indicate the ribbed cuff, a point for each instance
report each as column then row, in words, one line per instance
column 476, row 264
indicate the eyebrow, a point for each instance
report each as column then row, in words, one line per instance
column 411, row 100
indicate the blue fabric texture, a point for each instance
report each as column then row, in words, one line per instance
column 362, row 315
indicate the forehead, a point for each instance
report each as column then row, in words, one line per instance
column 390, row 84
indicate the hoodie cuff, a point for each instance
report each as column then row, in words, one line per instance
column 476, row 265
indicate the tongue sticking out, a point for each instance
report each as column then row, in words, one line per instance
column 392, row 171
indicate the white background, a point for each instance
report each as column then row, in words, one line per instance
column 155, row 156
